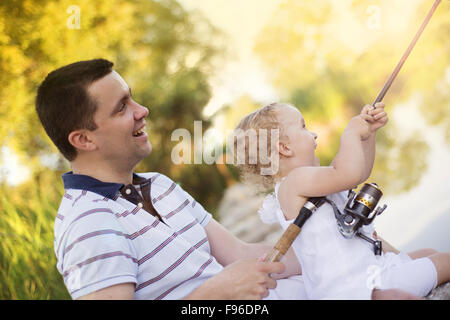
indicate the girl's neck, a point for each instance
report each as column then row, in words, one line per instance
column 286, row 166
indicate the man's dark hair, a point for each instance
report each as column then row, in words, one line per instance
column 63, row 103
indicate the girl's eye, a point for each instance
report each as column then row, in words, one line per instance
column 122, row 107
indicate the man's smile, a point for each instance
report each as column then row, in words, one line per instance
column 139, row 132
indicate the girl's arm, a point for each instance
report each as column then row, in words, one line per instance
column 347, row 170
column 369, row 156
column 377, row 118
column 353, row 163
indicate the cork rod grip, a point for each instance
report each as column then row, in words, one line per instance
column 283, row 245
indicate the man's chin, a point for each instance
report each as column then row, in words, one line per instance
column 148, row 150
column 143, row 152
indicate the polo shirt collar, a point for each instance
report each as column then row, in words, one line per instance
column 79, row 181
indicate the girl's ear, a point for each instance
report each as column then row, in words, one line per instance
column 284, row 149
column 81, row 140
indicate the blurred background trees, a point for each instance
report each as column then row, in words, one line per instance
column 163, row 52
column 328, row 58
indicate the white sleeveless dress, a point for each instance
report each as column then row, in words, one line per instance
column 334, row 267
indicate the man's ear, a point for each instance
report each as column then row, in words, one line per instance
column 284, row 149
column 81, row 140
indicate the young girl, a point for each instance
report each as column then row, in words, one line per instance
column 333, row 267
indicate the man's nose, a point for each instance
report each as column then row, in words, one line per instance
column 140, row 112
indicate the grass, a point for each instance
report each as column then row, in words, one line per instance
column 27, row 260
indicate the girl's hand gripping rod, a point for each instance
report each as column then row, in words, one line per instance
column 311, row 205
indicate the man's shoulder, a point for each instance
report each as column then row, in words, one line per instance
column 76, row 204
column 79, row 197
column 83, row 212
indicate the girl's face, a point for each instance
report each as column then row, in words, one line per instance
column 296, row 141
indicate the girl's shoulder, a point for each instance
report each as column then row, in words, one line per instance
column 290, row 201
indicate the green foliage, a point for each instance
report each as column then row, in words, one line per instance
column 27, row 259
column 163, row 52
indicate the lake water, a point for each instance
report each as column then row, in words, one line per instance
column 420, row 218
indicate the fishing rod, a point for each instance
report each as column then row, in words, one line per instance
column 311, row 205
column 389, row 81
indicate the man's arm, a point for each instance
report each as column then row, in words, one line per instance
column 227, row 248
column 246, row 279
column 122, row 291
column 244, row 276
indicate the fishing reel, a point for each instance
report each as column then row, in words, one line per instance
column 360, row 209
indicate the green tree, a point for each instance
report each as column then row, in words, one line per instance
column 164, row 52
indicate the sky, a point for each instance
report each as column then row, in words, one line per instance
column 423, row 213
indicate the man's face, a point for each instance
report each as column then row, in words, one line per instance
column 120, row 137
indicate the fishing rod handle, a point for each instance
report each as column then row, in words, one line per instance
column 283, row 244
column 289, row 235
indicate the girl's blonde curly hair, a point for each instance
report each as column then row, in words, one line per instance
column 255, row 142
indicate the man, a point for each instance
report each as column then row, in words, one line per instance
column 122, row 235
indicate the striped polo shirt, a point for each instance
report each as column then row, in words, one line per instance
column 102, row 239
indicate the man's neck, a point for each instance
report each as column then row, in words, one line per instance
column 104, row 172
